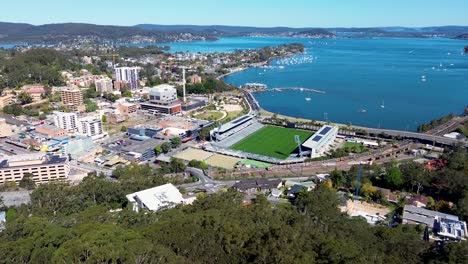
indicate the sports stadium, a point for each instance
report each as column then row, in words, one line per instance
column 247, row 138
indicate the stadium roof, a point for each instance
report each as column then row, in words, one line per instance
column 319, row 137
column 233, row 123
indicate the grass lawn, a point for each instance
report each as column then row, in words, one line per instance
column 354, row 147
column 277, row 142
column 210, row 115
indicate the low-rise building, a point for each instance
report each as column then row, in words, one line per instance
column 43, row 167
column 195, row 79
column 126, row 108
column 5, row 100
column 157, row 198
column 445, row 225
column 163, row 99
column 139, row 151
column 51, row 131
column 6, row 130
column 258, row 185
column 35, row 90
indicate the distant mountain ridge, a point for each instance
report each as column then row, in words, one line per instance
column 53, row 33
column 72, row 32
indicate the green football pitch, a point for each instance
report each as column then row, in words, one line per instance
column 271, row 141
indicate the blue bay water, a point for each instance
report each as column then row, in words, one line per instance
column 363, row 74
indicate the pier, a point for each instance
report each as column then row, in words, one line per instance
column 259, row 88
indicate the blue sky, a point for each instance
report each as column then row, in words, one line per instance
column 293, row 13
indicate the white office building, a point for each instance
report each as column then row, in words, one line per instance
column 104, row 85
column 90, row 126
column 320, row 142
column 157, row 198
column 163, row 93
column 129, row 75
column 66, row 121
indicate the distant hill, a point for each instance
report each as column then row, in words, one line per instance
column 79, row 32
column 52, row 33
column 463, row 36
column 224, row 29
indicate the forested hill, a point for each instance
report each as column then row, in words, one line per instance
column 53, row 33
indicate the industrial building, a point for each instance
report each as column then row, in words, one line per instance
column 43, row 167
column 163, row 100
column 320, row 142
column 157, row 198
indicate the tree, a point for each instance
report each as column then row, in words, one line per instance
column 91, row 106
column 176, row 142
column 204, row 133
column 158, row 150
column 177, row 165
column 25, row 98
column 104, row 119
column 123, row 129
column 90, row 93
column 166, row 147
column 394, row 178
column 27, row 182
column 13, row 109
column 126, row 93
column 337, row 178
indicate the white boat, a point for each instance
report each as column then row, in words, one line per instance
column 362, row 111
column 382, row 105
column 308, row 99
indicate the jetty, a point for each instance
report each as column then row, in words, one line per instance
column 260, row 88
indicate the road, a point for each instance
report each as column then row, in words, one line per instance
column 449, row 126
column 418, row 136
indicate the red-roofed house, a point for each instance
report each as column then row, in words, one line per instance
column 35, row 90
column 418, row 201
column 436, row 164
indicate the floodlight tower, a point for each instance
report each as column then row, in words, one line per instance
column 298, row 141
column 358, row 184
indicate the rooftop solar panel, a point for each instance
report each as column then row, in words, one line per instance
column 317, row 138
column 325, row 131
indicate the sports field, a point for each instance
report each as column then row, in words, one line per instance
column 277, row 142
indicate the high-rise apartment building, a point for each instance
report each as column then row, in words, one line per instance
column 127, row 75
column 73, row 99
column 66, row 121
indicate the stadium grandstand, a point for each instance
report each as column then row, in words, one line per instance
column 232, row 132
column 320, row 142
